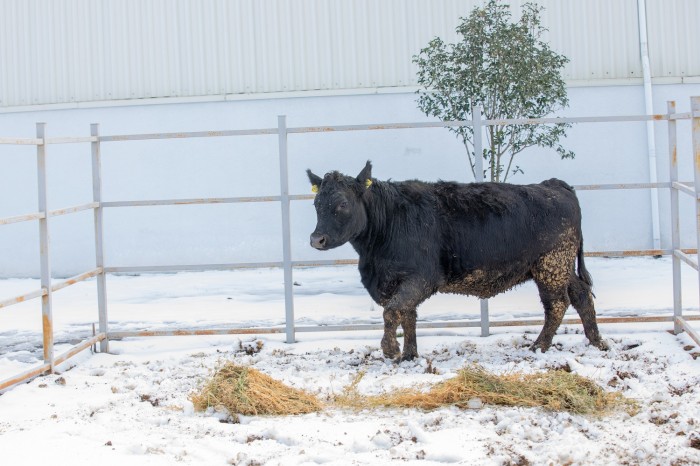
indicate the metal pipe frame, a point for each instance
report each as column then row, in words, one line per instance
column 45, row 257
column 695, row 108
column 101, row 280
column 286, row 229
column 675, row 222
column 282, row 131
column 47, row 287
column 477, row 113
column 24, row 297
column 680, row 322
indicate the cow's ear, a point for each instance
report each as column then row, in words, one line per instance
column 365, row 176
column 315, row 181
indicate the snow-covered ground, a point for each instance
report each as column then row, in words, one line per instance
column 131, row 406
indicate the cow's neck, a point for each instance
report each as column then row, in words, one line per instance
column 379, row 208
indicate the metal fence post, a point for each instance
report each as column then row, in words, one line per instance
column 479, row 175
column 695, row 108
column 99, row 234
column 286, row 230
column 675, row 225
column 44, row 245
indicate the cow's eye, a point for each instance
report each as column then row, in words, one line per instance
column 343, row 205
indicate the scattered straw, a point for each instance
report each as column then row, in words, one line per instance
column 553, row 390
column 246, row 391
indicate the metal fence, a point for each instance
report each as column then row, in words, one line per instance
column 103, row 335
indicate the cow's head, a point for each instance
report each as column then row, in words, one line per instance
column 340, row 212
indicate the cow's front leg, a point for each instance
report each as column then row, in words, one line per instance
column 403, row 306
column 410, row 345
column 390, row 346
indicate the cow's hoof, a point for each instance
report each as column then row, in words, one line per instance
column 409, row 356
column 391, row 352
column 390, row 348
column 539, row 346
column 601, row 344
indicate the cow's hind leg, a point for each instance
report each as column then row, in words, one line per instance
column 555, row 303
column 552, row 274
column 582, row 299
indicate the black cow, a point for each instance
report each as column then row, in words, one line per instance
column 415, row 239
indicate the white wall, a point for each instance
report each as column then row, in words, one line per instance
column 248, row 166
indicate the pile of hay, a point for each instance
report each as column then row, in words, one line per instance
column 246, row 391
column 553, row 390
column 242, row 390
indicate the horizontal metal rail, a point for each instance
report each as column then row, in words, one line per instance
column 70, row 140
column 19, row 378
column 494, row 122
column 682, row 321
column 24, row 297
column 191, row 267
column 547, row 121
column 184, row 135
column 44, row 368
column 306, row 197
column 52, row 213
column 204, row 200
column 70, row 210
column 379, row 126
column 319, row 263
column 302, row 197
column 313, row 129
column 21, row 141
column 680, row 116
column 76, row 279
column 196, row 332
column 231, row 266
column 361, row 327
column 78, row 348
column 636, row 253
column 22, row 218
column 298, row 197
column 595, row 187
column 477, row 323
column 210, row 200
column 58, row 286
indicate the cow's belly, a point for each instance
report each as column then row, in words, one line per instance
column 486, row 283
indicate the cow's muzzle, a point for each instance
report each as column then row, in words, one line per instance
column 319, row 242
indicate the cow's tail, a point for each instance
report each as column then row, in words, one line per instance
column 582, row 272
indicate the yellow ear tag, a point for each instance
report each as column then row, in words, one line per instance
column 368, row 183
column 314, row 188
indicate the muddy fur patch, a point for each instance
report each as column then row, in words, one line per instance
column 487, row 283
column 554, row 270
